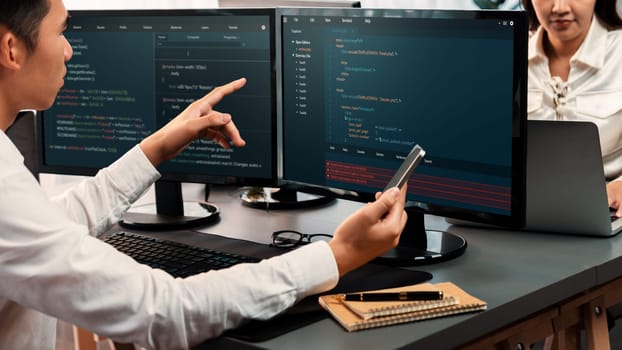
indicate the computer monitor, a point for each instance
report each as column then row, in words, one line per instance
column 134, row 70
column 362, row 86
column 288, row 3
column 284, row 196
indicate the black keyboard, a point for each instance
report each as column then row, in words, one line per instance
column 178, row 259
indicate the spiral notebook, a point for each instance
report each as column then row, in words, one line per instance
column 354, row 316
column 371, row 309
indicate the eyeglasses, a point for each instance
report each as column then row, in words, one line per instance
column 291, row 239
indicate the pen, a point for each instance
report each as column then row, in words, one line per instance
column 395, row 296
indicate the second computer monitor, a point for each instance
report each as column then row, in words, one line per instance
column 361, row 87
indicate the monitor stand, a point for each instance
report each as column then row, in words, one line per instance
column 419, row 246
column 285, row 197
column 169, row 212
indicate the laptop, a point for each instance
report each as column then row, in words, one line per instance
column 565, row 180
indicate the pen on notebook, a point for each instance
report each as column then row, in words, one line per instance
column 394, row 296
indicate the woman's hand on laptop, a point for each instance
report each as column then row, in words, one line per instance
column 614, row 195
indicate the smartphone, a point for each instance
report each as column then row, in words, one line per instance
column 406, row 169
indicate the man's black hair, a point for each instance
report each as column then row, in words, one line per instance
column 23, row 18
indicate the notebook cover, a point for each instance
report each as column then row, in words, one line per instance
column 371, row 309
column 352, row 322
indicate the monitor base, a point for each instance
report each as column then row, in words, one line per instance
column 438, row 246
column 146, row 217
column 281, row 198
column 420, row 246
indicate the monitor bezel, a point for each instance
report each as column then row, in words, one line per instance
column 273, row 180
column 288, row 3
column 519, row 110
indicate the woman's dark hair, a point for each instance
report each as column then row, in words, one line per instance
column 605, row 11
column 23, row 18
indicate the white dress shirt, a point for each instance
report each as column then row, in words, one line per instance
column 593, row 91
column 52, row 266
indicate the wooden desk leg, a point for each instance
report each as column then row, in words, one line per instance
column 519, row 335
column 596, row 330
column 533, row 331
column 548, row 342
column 567, row 339
column 568, row 319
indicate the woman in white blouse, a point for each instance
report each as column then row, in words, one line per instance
column 575, row 73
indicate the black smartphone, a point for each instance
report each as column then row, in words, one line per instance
column 406, row 169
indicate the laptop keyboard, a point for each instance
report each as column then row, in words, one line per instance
column 178, row 259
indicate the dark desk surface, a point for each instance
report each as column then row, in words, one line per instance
column 517, row 273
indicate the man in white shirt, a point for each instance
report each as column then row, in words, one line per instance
column 53, row 266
